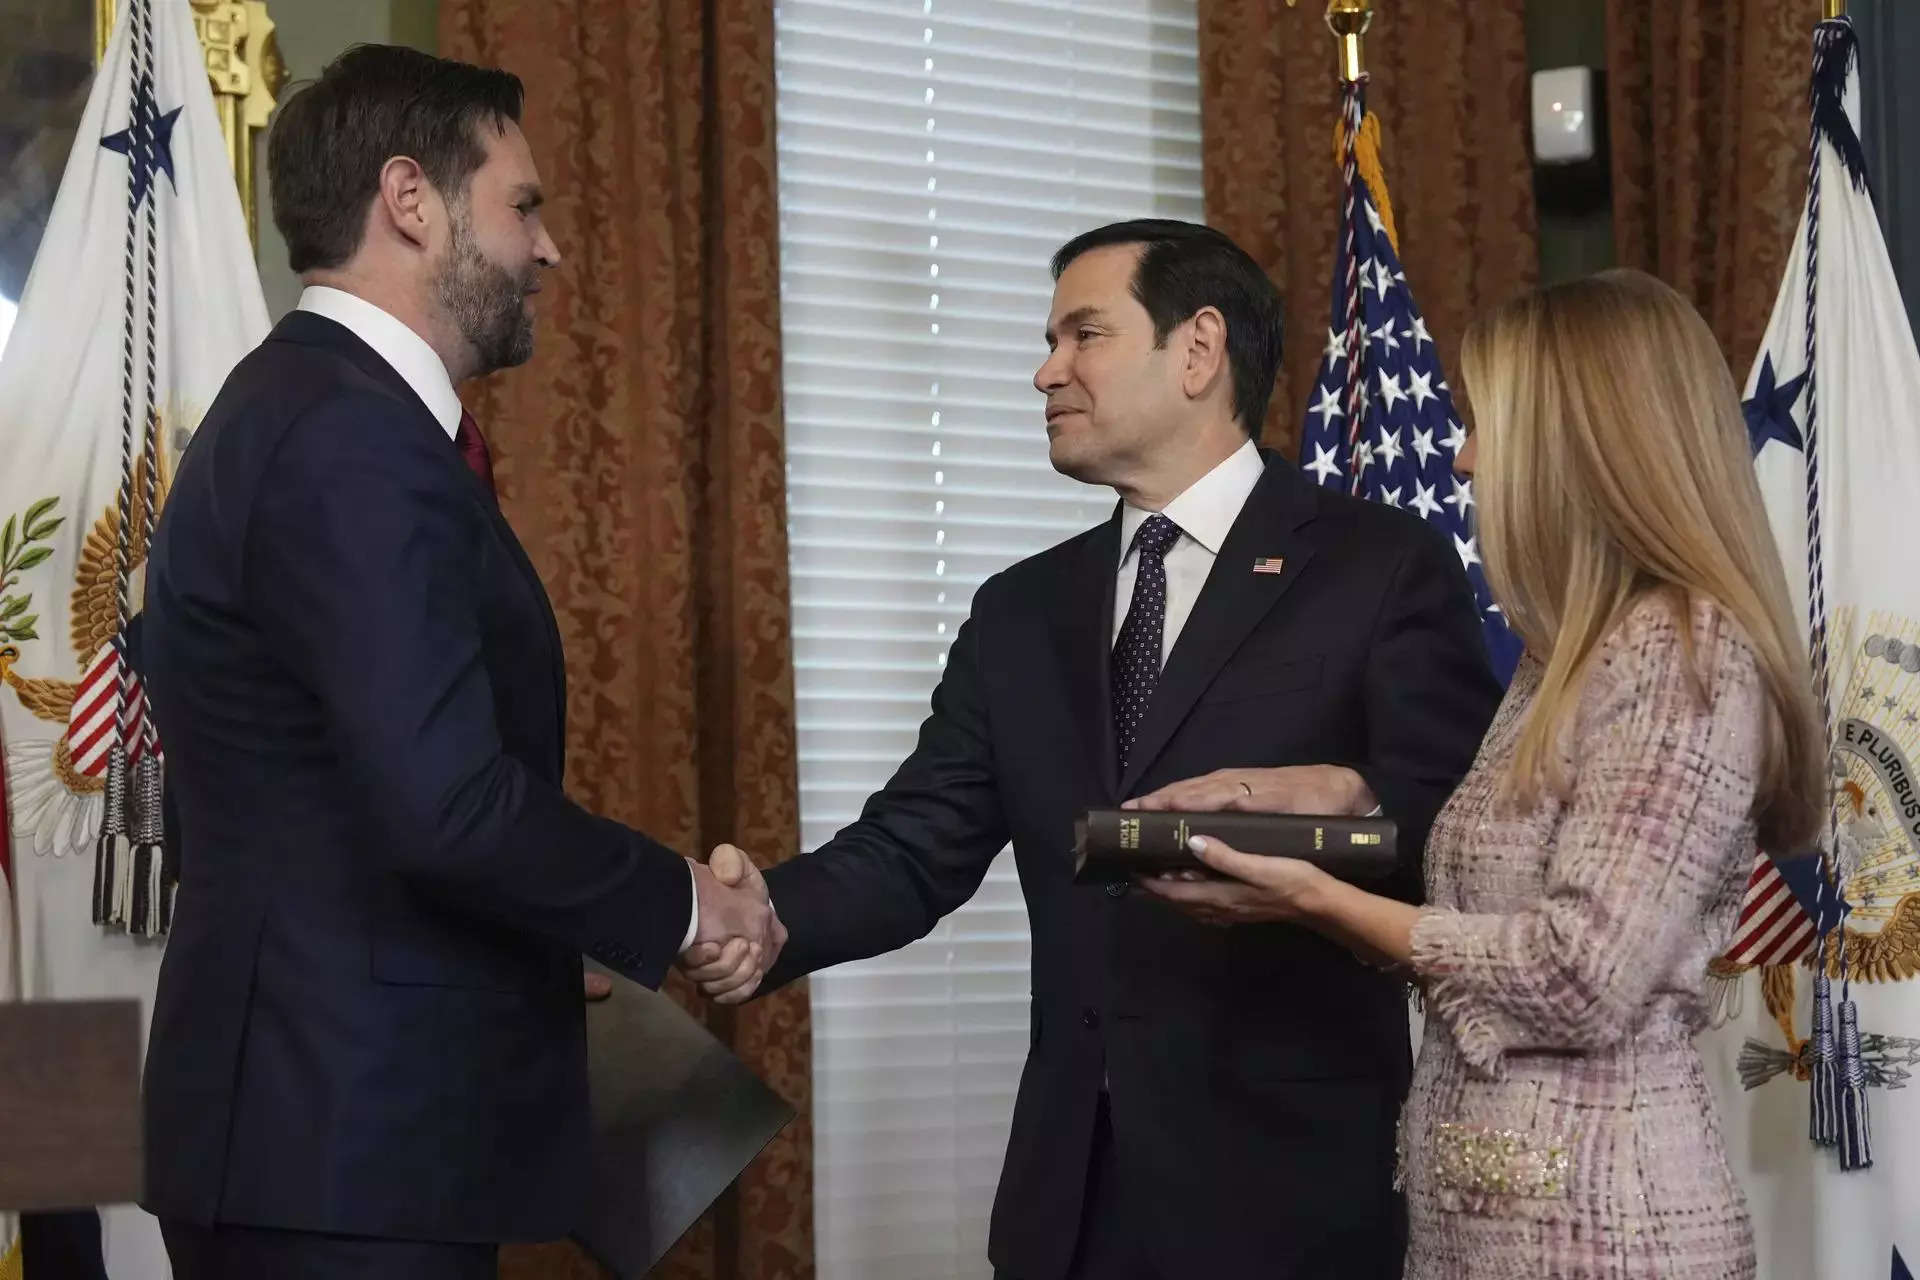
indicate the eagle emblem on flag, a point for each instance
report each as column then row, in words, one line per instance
column 59, row 783
column 1876, row 800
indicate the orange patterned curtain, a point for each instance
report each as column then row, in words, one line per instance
column 1707, row 104
column 1449, row 84
column 641, row 458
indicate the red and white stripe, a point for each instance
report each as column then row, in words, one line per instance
column 1773, row 928
column 91, row 728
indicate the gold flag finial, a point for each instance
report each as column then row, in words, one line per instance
column 1349, row 20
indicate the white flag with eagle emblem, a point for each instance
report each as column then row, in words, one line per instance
column 142, row 298
column 1819, row 1097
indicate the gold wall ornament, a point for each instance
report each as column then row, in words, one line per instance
column 243, row 66
column 1349, row 20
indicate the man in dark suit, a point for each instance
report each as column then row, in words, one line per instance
column 368, row 1048
column 1198, row 1100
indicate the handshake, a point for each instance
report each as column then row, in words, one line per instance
column 738, row 934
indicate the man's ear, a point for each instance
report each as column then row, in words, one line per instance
column 1206, row 352
column 406, row 201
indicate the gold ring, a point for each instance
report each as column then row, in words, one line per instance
column 1249, row 790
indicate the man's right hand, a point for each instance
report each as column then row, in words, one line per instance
column 740, row 934
column 1299, row 788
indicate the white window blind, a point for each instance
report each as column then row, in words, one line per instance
column 933, row 154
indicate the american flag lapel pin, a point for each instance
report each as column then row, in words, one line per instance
column 1269, row 564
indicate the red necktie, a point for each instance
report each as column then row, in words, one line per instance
column 473, row 448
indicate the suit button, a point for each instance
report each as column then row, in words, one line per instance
column 1089, row 1018
column 1118, row 889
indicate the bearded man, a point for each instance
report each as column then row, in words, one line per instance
column 368, row 1049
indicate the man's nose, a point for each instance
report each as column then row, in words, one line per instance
column 1051, row 374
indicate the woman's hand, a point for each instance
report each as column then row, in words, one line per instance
column 1378, row 931
column 1261, row 888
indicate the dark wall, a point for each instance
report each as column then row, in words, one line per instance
column 1890, row 101
column 1570, row 33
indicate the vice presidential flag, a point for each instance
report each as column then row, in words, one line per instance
column 1818, row 1097
column 141, row 299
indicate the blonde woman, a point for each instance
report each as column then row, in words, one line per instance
column 1593, row 860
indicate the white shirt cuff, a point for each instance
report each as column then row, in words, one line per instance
column 693, row 922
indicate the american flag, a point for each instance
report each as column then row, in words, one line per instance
column 93, row 726
column 1777, row 923
column 1382, row 411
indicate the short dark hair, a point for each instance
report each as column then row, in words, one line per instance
column 1185, row 266
column 333, row 135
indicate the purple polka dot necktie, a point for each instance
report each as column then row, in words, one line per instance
column 1136, row 650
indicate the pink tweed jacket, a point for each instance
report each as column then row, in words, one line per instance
column 1559, row 1123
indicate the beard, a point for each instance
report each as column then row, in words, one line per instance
column 486, row 302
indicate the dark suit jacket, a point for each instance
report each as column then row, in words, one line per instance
column 369, row 1018
column 1256, row 1072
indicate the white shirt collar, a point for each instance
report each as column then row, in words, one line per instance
column 1207, row 510
column 393, row 342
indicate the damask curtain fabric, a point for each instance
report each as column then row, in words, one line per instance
column 1707, row 105
column 641, row 458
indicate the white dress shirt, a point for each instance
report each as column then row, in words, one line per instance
column 417, row 363
column 420, row 368
column 1205, row 512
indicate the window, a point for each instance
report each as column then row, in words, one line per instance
column 933, row 154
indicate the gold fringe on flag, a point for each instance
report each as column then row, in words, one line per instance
column 1367, row 159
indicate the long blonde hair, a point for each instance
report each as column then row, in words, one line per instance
column 1612, row 464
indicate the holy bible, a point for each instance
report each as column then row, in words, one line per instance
column 1118, row 844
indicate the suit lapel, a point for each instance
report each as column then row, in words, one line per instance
column 536, row 589
column 308, row 329
column 557, row 662
column 1083, row 638
column 1231, row 605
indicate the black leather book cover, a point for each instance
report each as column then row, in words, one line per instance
column 1118, row 844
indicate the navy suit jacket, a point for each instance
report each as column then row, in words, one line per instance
column 369, row 1018
column 1255, row 1072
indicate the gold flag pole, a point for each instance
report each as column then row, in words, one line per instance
column 1836, row 8
column 1349, row 20
column 245, row 69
